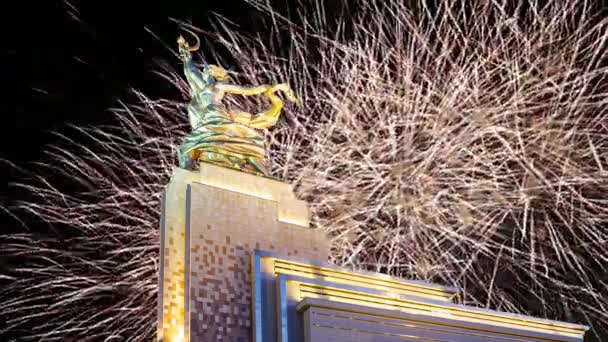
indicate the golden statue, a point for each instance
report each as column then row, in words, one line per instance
column 232, row 139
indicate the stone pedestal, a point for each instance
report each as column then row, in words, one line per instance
column 212, row 222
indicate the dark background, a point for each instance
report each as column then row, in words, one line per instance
column 69, row 62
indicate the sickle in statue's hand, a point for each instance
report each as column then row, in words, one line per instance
column 183, row 41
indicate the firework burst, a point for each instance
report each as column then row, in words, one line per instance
column 461, row 143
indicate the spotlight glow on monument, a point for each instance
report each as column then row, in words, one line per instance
column 476, row 161
column 240, row 263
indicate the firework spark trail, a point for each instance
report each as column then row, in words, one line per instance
column 465, row 145
column 99, row 280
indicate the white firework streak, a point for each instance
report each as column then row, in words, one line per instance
column 465, row 144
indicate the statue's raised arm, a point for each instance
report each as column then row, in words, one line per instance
column 197, row 79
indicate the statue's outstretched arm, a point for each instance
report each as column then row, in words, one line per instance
column 269, row 117
column 240, row 90
column 244, row 117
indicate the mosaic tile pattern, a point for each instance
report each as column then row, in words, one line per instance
column 174, row 279
column 220, row 303
column 225, row 228
column 171, row 320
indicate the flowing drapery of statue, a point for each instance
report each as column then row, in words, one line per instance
column 232, row 139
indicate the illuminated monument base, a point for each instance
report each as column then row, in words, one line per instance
column 239, row 263
column 212, row 221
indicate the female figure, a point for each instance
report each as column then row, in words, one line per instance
column 230, row 139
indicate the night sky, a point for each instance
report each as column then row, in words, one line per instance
column 69, row 62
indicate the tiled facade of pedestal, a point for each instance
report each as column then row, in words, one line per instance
column 226, row 216
column 171, row 314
